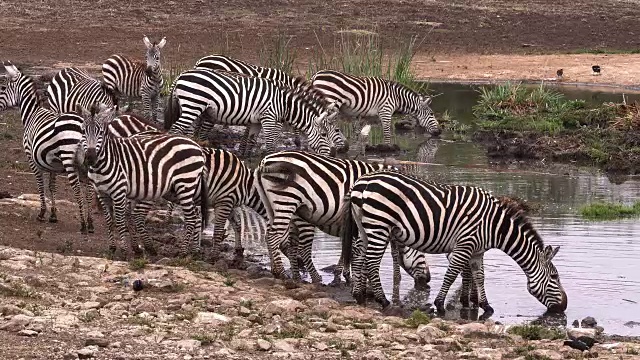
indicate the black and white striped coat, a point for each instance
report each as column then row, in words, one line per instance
column 50, row 141
column 72, row 86
column 133, row 79
column 372, row 96
column 233, row 99
column 143, row 168
column 299, row 187
column 435, row 218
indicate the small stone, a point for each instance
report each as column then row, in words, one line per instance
column 9, row 309
column 263, row 345
column 255, row 318
column 588, row 322
column 320, row 346
column 27, row 333
column 17, row 323
column 577, row 332
column 187, row 357
column 90, row 305
column 547, row 354
column 95, row 334
column 284, row 345
column 331, row 327
column 374, row 355
column 470, row 328
column 71, row 355
column 428, row 333
column 115, row 345
column 85, row 353
column 286, row 306
column 210, row 318
column 243, row 311
column 96, row 341
column 189, row 344
column 576, row 323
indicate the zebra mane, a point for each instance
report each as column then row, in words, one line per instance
column 308, row 94
column 518, row 210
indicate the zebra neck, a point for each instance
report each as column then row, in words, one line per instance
column 27, row 100
column 156, row 73
column 523, row 252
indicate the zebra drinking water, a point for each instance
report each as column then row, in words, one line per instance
column 371, row 96
column 133, row 78
column 435, row 218
column 242, row 100
column 50, row 141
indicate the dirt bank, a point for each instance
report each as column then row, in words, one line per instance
column 68, row 307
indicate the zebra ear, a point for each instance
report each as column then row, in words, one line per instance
column 147, row 42
column 83, row 112
column 550, row 252
column 320, row 118
column 12, row 70
column 162, row 43
column 426, row 100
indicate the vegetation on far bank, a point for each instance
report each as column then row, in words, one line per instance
column 540, row 123
column 610, row 211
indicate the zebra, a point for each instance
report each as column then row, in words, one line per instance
column 299, row 187
column 133, row 78
column 370, row 96
column 49, row 141
column 72, row 86
column 434, row 218
column 144, row 168
column 241, row 100
column 226, row 63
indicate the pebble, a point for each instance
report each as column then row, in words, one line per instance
column 85, row 353
column 588, row 322
column 263, row 345
column 27, row 333
column 17, row 323
column 188, row 345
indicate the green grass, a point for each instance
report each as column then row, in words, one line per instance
column 169, row 74
column 417, row 318
column 204, row 338
column 610, row 211
column 138, row 264
column 279, row 54
column 363, row 54
column 605, row 51
column 536, row 332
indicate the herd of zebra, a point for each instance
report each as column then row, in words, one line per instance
column 131, row 163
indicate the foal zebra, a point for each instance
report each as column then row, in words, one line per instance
column 144, row 168
column 297, row 187
column 370, row 96
column 49, row 141
column 242, row 100
column 73, row 86
column 436, row 218
column 133, row 78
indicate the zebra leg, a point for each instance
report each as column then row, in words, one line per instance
column 244, row 142
column 306, row 232
column 385, row 118
column 74, row 180
column 222, row 213
column 119, row 213
column 458, row 260
column 477, row 269
column 237, row 233
column 397, row 277
column 107, row 209
column 139, row 217
column 53, row 217
column 89, row 195
column 40, row 182
column 278, row 233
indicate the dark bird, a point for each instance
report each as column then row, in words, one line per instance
column 559, row 73
column 596, row 69
column 576, row 344
column 137, row 285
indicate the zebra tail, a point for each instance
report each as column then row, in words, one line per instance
column 282, row 168
column 349, row 229
column 262, row 194
column 171, row 111
column 204, row 197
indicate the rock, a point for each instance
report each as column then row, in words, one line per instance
column 90, row 305
column 320, row 346
column 576, row 323
column 210, row 318
column 263, row 344
column 487, row 353
column 632, row 324
column 428, row 333
column 188, row 345
column 115, row 345
column 588, row 322
column 322, row 302
column 95, row 334
column 85, row 353
column 96, row 341
column 287, row 306
column 243, row 311
column 469, row 328
column 331, row 327
column 17, row 323
column 283, row 345
column 10, row 309
column 547, row 354
column 241, row 344
column 71, row 355
column 224, row 352
column 255, row 318
column 374, row 355
column 577, row 332
column 27, row 333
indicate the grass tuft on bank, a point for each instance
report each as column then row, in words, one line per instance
column 610, row 211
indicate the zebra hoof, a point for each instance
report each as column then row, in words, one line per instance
column 83, row 228
column 393, row 310
column 150, row 250
column 439, row 304
column 488, row 311
column 90, row 227
column 361, row 297
column 53, row 218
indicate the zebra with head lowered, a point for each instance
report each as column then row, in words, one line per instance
column 371, row 96
column 299, row 188
column 72, row 86
column 144, row 168
column 435, row 218
column 133, row 78
column 50, row 141
column 234, row 99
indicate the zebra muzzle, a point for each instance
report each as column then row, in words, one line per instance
column 91, row 156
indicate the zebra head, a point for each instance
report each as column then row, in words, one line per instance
column 9, row 94
column 319, row 135
column 425, row 116
column 545, row 284
column 94, row 129
column 415, row 264
column 153, row 55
